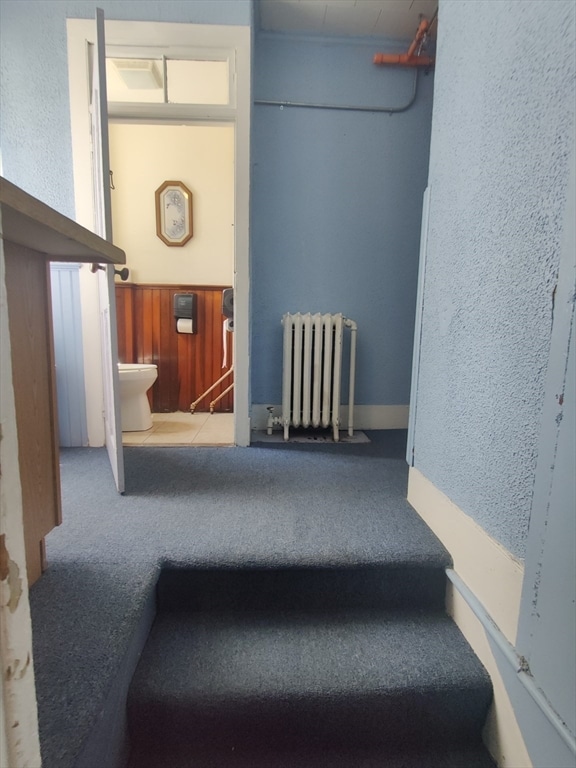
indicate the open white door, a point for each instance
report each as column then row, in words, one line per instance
column 103, row 227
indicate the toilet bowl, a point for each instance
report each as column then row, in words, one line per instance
column 135, row 380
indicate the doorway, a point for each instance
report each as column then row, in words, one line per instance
column 188, row 359
column 180, row 39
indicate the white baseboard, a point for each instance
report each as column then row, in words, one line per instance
column 502, row 734
column 365, row 416
column 492, row 573
column 483, row 598
column 522, row 728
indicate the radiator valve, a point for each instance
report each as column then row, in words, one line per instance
column 270, row 422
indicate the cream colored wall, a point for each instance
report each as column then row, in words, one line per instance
column 492, row 573
column 142, row 157
column 502, row 734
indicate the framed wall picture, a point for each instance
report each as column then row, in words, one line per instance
column 174, row 213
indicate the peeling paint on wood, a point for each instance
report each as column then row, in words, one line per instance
column 10, row 572
column 4, row 569
column 12, row 671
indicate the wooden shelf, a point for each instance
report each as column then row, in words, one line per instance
column 31, row 223
column 33, row 235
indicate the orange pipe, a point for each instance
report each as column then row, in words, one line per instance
column 420, row 32
column 403, row 60
column 408, row 59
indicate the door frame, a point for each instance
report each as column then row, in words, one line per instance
column 411, row 438
column 166, row 35
column 103, row 225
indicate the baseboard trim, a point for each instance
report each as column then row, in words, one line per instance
column 365, row 416
column 501, row 734
column 484, row 597
column 492, row 573
column 521, row 715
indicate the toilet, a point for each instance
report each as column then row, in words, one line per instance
column 135, row 380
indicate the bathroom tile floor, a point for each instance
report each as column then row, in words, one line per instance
column 182, row 428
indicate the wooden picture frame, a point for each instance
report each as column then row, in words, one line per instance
column 174, row 213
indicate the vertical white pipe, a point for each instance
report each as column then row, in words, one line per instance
column 353, row 330
column 327, row 324
column 297, row 370
column 317, row 369
column 337, row 375
column 287, row 372
column 306, row 370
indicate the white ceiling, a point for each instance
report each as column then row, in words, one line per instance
column 397, row 19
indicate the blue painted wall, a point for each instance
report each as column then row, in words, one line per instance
column 503, row 125
column 336, row 196
column 35, row 139
column 336, row 205
column 34, row 103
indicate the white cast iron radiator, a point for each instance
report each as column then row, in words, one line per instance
column 312, row 369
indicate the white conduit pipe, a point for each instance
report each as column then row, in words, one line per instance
column 345, row 107
column 353, row 331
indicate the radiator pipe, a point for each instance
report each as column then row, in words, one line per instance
column 353, row 331
column 270, row 420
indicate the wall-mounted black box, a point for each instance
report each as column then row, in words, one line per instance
column 228, row 302
column 185, row 308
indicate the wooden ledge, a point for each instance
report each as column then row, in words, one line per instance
column 31, row 223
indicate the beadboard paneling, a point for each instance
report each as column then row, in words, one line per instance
column 67, row 331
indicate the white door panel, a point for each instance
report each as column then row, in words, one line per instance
column 103, row 227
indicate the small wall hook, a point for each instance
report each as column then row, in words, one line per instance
column 123, row 273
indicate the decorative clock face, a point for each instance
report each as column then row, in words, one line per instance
column 174, row 213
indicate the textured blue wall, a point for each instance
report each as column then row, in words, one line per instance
column 502, row 127
column 34, row 103
column 336, row 205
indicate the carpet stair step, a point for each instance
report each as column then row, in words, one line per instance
column 402, row 585
column 466, row 757
column 215, row 683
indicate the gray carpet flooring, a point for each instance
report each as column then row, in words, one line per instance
column 239, row 682
column 288, row 505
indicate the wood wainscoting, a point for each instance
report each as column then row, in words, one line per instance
column 187, row 363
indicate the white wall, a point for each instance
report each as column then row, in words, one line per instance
column 142, row 157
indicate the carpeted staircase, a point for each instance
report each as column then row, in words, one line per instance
column 307, row 667
column 298, row 605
